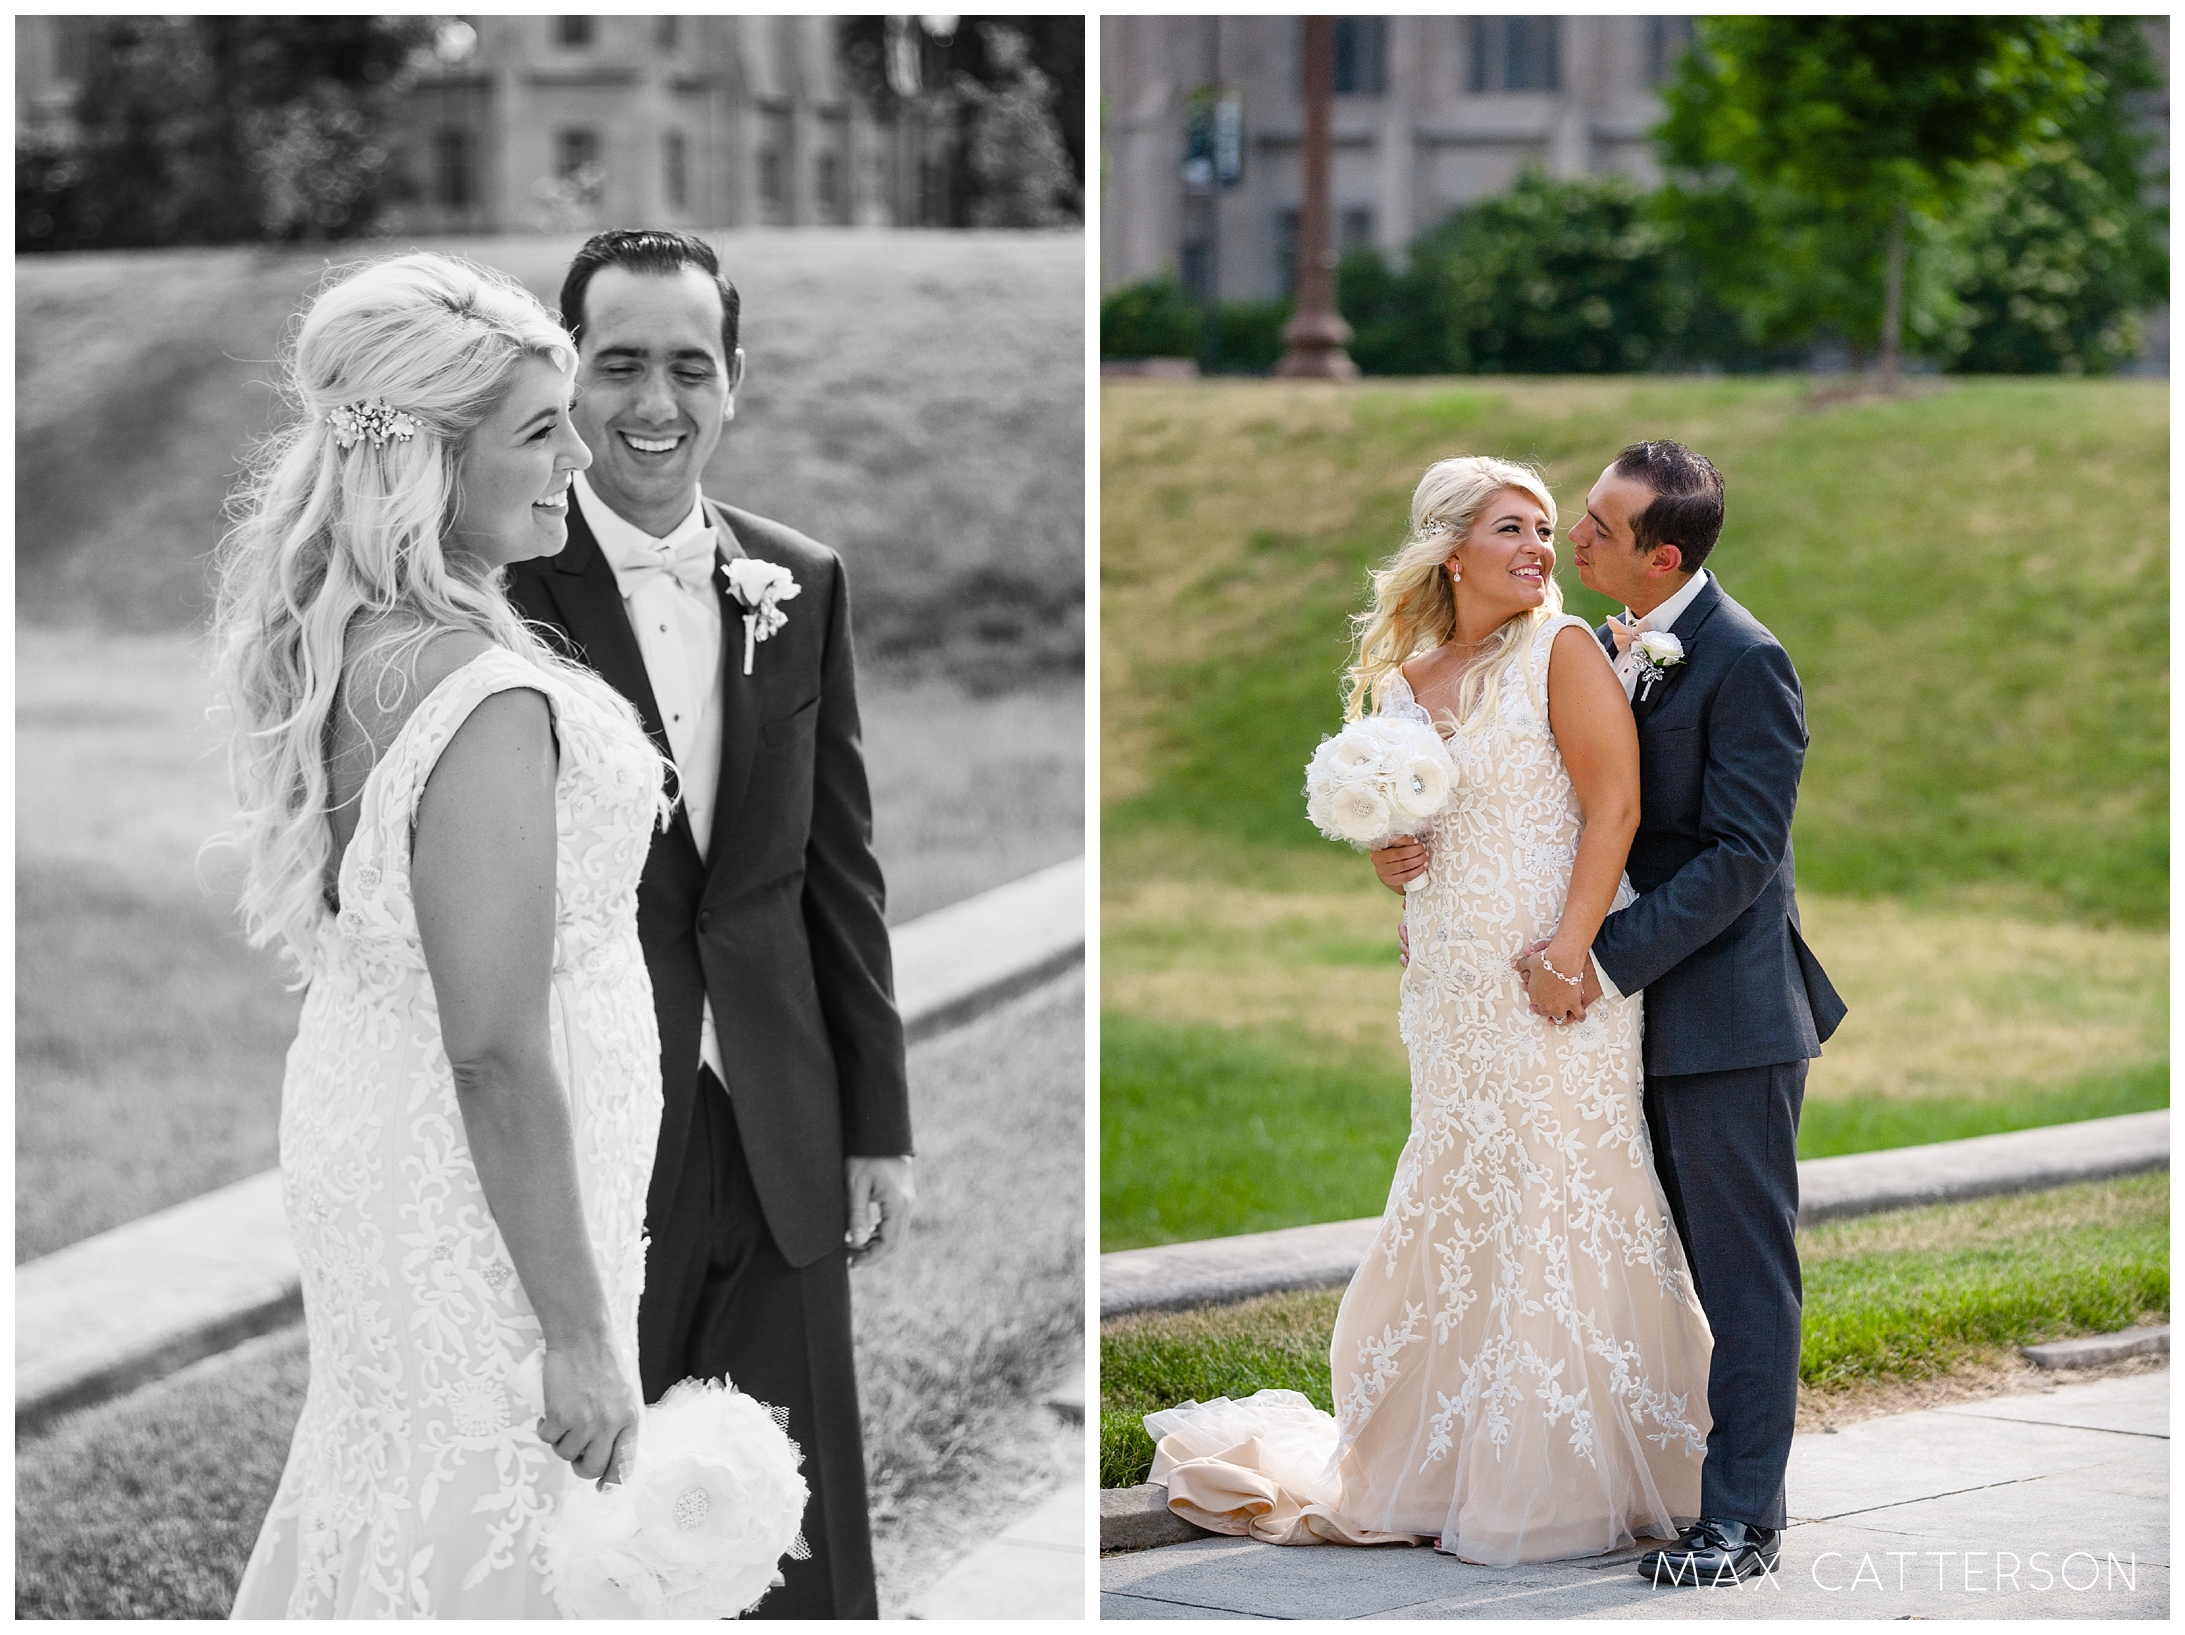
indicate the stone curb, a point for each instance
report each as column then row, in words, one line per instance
column 115, row 1311
column 1216, row 1271
column 1138, row 1518
column 2098, row 1349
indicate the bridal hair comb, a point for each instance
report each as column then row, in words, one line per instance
column 378, row 420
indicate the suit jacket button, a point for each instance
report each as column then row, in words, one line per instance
column 705, row 920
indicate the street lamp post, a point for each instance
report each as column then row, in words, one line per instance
column 1313, row 339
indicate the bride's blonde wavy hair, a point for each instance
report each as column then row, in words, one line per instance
column 329, row 542
column 1414, row 607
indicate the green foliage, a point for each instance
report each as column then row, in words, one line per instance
column 1251, row 336
column 1155, row 318
column 1905, row 1295
column 1865, row 113
column 217, row 130
column 2005, row 147
column 1552, row 277
column 1150, row 319
column 2060, row 257
column 1206, row 1132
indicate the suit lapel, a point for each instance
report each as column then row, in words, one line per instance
column 739, row 699
column 593, row 615
column 1685, row 630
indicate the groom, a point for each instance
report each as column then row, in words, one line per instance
column 1735, row 1002
column 784, row 1140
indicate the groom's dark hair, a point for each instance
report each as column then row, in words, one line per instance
column 647, row 250
column 1686, row 510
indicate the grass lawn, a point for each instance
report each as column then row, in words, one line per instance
column 1909, row 1295
column 1982, row 825
column 148, row 1507
column 1986, row 695
column 913, row 399
column 1252, row 1077
column 150, row 1040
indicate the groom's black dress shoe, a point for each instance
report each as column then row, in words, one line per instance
column 1713, row 1552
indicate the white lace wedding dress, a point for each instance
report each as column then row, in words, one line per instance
column 417, row 1480
column 1520, row 1365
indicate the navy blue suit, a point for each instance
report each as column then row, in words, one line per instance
column 1736, row 1005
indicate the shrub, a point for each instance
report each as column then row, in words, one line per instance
column 1150, row 319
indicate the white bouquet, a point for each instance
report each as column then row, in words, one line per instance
column 698, row 1528
column 1381, row 777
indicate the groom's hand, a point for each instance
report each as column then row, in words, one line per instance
column 882, row 1195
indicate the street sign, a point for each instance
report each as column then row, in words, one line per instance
column 1213, row 138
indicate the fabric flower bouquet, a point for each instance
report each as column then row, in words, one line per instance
column 698, row 1529
column 1377, row 780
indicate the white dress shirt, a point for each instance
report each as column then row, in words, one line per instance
column 1627, row 671
column 678, row 630
column 1627, row 662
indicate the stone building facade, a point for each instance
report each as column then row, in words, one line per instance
column 1430, row 113
column 528, row 123
column 686, row 121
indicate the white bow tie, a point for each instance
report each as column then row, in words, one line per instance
column 689, row 561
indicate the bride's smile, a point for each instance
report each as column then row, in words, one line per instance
column 1502, row 564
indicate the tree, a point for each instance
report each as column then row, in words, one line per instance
column 1849, row 126
column 996, row 82
column 1019, row 168
column 211, row 130
column 2060, row 258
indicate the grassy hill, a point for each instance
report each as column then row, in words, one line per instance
column 1972, row 581
column 914, row 400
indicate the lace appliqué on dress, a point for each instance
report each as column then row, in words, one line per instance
column 417, row 1479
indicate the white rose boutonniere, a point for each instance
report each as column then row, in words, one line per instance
column 761, row 587
column 1659, row 653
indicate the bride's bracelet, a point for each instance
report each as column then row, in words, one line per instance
column 1574, row 981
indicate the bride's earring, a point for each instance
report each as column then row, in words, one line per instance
column 1454, row 576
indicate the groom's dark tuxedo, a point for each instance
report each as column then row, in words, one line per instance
column 1736, row 1005
column 780, row 926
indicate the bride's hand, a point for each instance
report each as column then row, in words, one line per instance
column 1551, row 996
column 591, row 1411
column 1400, row 860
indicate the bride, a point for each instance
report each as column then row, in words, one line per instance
column 1520, row 1364
column 443, row 826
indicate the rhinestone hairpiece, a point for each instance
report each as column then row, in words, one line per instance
column 379, row 420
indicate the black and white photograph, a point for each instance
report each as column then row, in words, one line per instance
column 551, row 817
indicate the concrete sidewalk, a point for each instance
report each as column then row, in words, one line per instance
column 2047, row 1505
column 106, row 1315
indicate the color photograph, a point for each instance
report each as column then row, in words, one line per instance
column 551, row 854
column 1634, row 727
